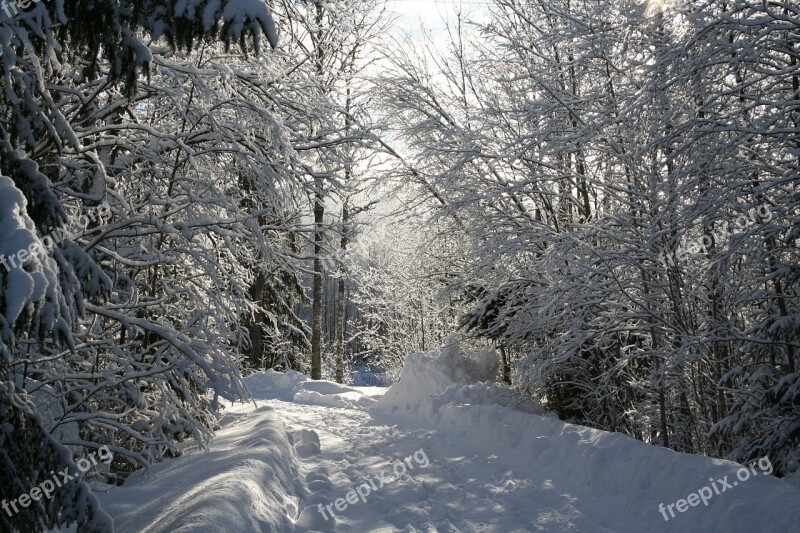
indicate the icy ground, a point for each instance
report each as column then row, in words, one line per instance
column 439, row 451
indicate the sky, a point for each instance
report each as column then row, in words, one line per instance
column 432, row 14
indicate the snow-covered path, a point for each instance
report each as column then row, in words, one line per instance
column 437, row 452
column 463, row 488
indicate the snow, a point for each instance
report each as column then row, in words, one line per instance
column 294, row 386
column 794, row 479
column 16, row 236
column 492, row 464
column 238, row 12
column 18, row 294
column 246, row 481
column 447, row 377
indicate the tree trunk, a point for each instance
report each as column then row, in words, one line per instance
column 316, row 313
column 506, row 365
column 256, row 330
column 340, row 300
column 319, row 216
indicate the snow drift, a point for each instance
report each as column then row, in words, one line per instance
column 432, row 380
column 621, row 479
column 497, row 464
column 292, row 386
column 247, row 481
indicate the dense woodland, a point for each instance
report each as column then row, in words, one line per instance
column 605, row 191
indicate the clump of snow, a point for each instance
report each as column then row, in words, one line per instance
column 241, row 11
column 22, row 286
column 292, row 386
column 18, row 293
column 272, row 385
column 306, row 442
column 484, row 365
column 449, row 376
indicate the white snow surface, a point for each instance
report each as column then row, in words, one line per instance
column 17, row 234
column 491, row 464
column 248, row 480
column 296, row 387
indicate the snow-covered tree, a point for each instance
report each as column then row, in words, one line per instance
column 145, row 196
column 599, row 157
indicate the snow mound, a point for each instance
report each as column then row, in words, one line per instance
column 305, row 442
column 623, row 482
column 272, row 385
column 431, row 380
column 292, row 386
column 248, row 481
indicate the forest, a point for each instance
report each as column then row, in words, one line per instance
column 192, row 191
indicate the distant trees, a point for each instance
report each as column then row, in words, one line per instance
column 328, row 49
column 580, row 143
column 397, row 289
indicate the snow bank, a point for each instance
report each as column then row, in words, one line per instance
column 272, row 385
column 616, row 478
column 292, row 386
column 248, row 481
column 492, row 467
column 431, row 380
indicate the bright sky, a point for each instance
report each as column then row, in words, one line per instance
column 431, row 13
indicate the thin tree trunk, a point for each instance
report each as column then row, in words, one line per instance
column 340, row 301
column 319, row 217
column 506, row 365
column 316, row 314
